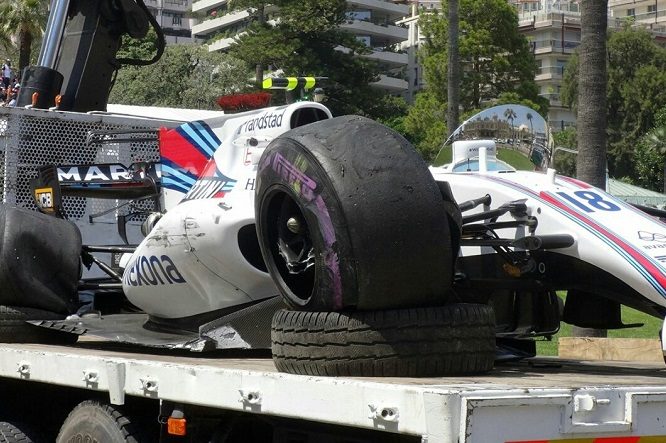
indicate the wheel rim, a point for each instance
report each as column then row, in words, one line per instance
column 291, row 248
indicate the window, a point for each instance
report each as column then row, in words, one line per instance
column 364, row 39
column 631, row 12
column 358, row 15
column 177, row 19
column 652, row 8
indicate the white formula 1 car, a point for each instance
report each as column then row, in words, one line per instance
column 331, row 242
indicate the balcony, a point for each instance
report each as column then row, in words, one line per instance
column 221, row 44
column 388, row 59
column 388, row 32
column 393, row 10
column 391, row 84
column 209, row 26
column 549, row 73
column 540, row 19
column 548, row 46
column 206, row 5
column 175, row 5
column 553, row 98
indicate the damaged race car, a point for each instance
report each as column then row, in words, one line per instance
column 331, row 242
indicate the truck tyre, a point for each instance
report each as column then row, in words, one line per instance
column 348, row 216
column 96, row 422
column 14, row 329
column 12, row 433
column 454, row 339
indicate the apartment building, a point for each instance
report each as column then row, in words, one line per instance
column 650, row 14
column 553, row 29
column 372, row 21
column 174, row 18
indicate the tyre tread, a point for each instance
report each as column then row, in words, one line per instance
column 416, row 342
column 9, row 433
column 129, row 431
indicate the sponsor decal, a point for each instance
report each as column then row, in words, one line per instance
column 291, row 174
column 45, row 198
column 94, row 173
column 210, row 187
column 266, row 121
column 152, row 271
column 651, row 236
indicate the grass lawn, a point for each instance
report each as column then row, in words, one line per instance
column 514, row 158
column 650, row 329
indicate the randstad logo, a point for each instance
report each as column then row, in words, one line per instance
column 266, row 121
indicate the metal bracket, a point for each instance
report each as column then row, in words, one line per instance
column 384, row 413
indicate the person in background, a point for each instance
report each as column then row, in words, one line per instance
column 14, row 96
column 6, row 73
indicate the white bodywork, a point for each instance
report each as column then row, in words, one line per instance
column 608, row 233
column 191, row 263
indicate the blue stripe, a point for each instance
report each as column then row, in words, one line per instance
column 176, row 173
column 196, row 140
column 207, row 133
column 172, row 184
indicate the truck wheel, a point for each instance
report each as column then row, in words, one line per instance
column 12, row 433
column 420, row 342
column 14, row 329
column 96, row 422
column 348, row 216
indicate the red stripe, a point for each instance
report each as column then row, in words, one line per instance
column 617, row 440
column 653, row 270
column 175, row 148
column 574, row 181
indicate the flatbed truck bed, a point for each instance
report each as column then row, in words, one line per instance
column 539, row 399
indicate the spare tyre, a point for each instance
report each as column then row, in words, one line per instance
column 348, row 216
column 39, row 260
column 14, row 327
column 454, row 339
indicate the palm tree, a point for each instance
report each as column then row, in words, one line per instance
column 591, row 113
column 453, row 69
column 592, row 80
column 25, row 20
column 529, row 117
column 510, row 115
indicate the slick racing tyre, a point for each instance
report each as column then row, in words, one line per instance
column 348, row 216
column 39, row 260
column 14, row 329
column 453, row 339
column 92, row 421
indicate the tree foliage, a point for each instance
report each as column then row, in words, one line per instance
column 305, row 40
column 650, row 155
column 565, row 162
column 496, row 62
column 24, row 20
column 636, row 91
column 425, row 124
column 187, row 76
column 495, row 56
